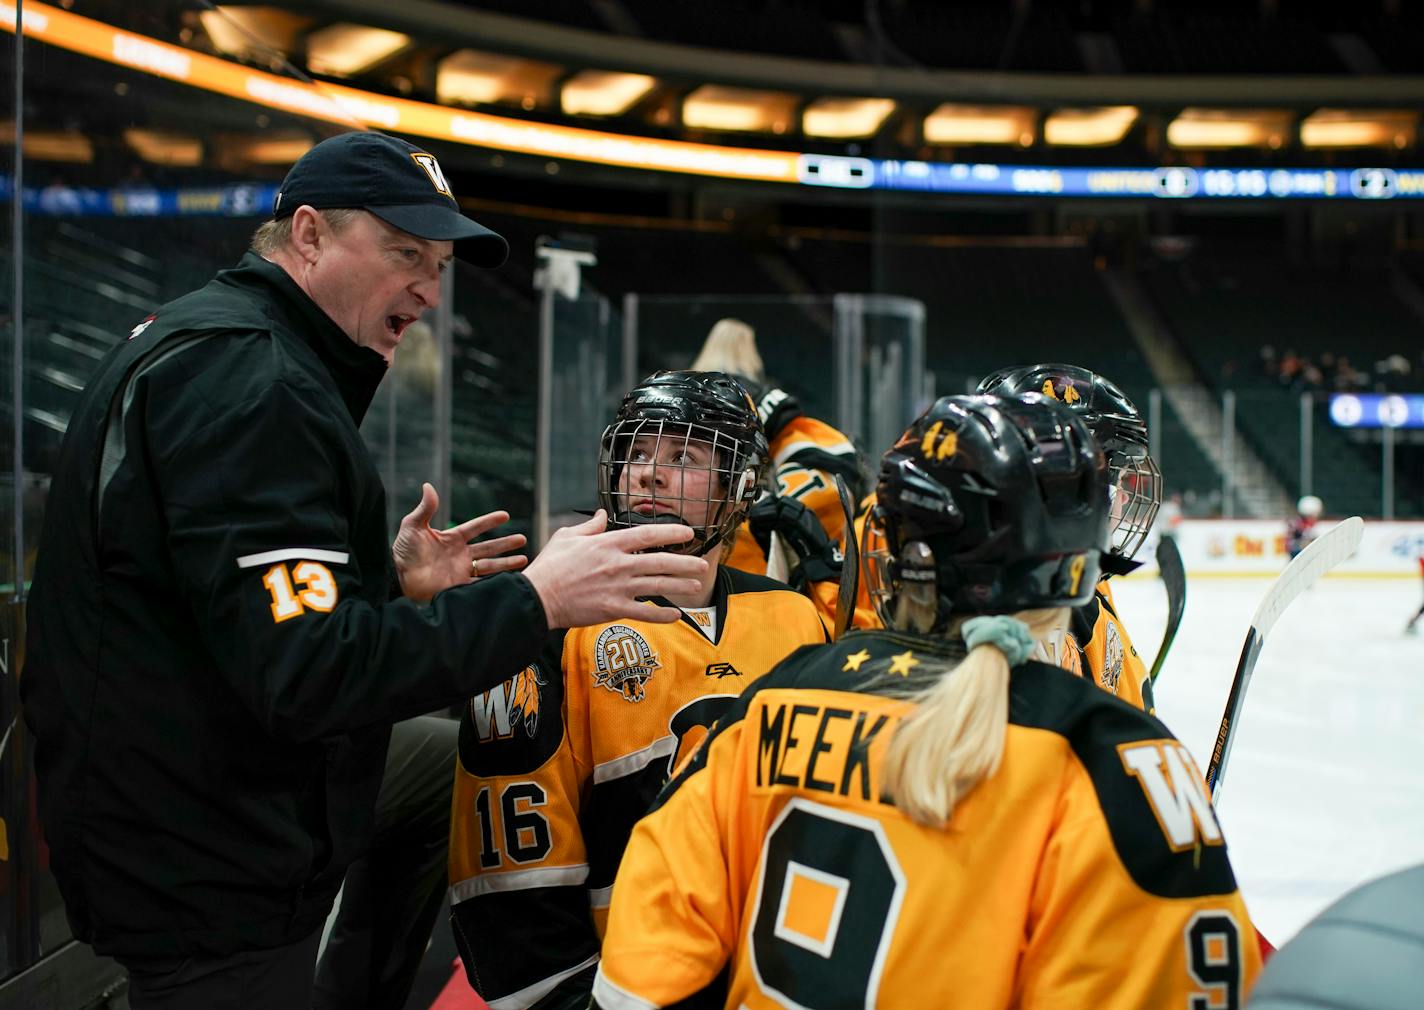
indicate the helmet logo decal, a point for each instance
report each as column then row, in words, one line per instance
column 948, row 445
column 1070, row 394
column 624, row 660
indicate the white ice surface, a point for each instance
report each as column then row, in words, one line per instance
column 1325, row 787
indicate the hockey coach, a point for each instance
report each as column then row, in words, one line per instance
column 220, row 635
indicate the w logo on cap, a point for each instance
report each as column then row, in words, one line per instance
column 432, row 169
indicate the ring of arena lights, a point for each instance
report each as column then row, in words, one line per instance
column 359, row 109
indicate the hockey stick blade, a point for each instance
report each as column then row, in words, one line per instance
column 1174, row 579
column 1318, row 558
column 850, row 564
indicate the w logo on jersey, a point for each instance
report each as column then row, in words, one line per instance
column 432, row 169
column 1175, row 790
column 499, row 712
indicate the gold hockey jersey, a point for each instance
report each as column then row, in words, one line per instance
column 556, row 764
column 1088, row 871
column 1097, row 645
column 806, row 456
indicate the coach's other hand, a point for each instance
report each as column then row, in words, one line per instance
column 585, row 576
column 429, row 561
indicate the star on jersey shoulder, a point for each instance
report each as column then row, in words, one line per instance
column 854, row 660
column 900, row 664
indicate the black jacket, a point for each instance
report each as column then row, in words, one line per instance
column 213, row 663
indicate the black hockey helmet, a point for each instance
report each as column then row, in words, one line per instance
column 658, row 421
column 1136, row 483
column 987, row 506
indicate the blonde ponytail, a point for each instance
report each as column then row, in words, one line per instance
column 731, row 347
column 955, row 737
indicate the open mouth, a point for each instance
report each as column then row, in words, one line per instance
column 397, row 324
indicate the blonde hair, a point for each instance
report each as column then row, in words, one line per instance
column 955, row 737
column 731, row 347
column 274, row 236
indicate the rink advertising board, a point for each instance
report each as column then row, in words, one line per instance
column 1237, row 547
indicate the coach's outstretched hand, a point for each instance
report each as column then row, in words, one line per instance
column 429, row 561
column 585, row 576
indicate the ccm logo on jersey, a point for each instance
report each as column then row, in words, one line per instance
column 1175, row 790
column 499, row 712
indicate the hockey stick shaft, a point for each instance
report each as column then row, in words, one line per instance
column 1174, row 579
column 1302, row 573
column 850, row 563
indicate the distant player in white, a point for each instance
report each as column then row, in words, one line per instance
column 1301, row 530
column 1410, row 627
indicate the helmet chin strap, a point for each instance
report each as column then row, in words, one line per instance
column 702, row 543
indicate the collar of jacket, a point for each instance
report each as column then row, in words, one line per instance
column 356, row 370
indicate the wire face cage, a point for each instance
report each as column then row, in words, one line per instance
column 656, row 471
column 1135, row 492
column 904, row 591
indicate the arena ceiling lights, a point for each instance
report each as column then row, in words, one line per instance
column 845, row 118
column 64, row 146
column 981, row 124
column 165, row 147
column 1202, row 129
column 716, row 107
column 344, row 50
column 471, row 77
column 275, row 147
column 1097, row 127
column 352, row 108
column 603, row 92
column 253, row 33
column 1389, row 128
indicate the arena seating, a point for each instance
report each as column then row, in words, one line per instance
column 1225, row 306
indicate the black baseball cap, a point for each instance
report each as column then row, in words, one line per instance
column 396, row 181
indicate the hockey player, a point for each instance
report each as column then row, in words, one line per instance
column 556, row 764
column 924, row 816
column 1096, row 643
column 806, row 457
column 1301, row 530
column 1413, row 621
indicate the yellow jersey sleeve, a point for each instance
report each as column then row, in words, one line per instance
column 673, row 920
column 1099, row 647
column 806, row 457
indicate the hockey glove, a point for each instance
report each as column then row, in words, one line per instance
column 818, row 557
